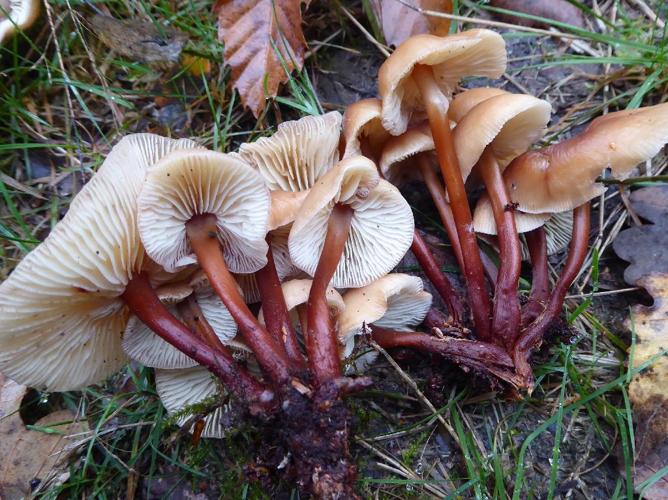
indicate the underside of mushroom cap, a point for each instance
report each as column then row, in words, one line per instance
column 465, row 101
column 363, row 120
column 381, row 230
column 563, row 176
column 298, row 153
column 17, row 14
column 507, row 123
column 483, row 218
column 180, row 389
column 192, row 183
column 396, row 161
column 476, row 52
column 61, row 318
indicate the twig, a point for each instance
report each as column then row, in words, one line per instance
column 366, row 34
column 646, row 9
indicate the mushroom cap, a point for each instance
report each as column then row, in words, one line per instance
column 395, row 161
column 179, row 389
column 17, row 14
column 147, row 348
column 284, row 207
column 185, row 184
column 465, row 101
column 563, row 176
column 381, row 230
column 298, row 153
column 61, row 315
column 507, row 123
column 476, row 52
column 363, row 119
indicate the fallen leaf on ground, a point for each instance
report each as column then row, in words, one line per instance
column 31, row 459
column 253, row 31
column 398, row 21
column 645, row 247
column 557, row 10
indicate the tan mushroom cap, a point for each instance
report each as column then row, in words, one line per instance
column 380, row 233
column 363, row 119
column 299, row 152
column 563, row 176
column 185, row 184
column 465, row 101
column 61, row 315
column 508, row 124
column 17, row 15
column 477, row 52
column 179, row 389
column 147, row 348
column 396, row 161
column 284, row 207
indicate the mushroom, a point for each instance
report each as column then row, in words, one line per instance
column 465, row 101
column 16, row 15
column 488, row 137
column 353, row 228
column 64, row 308
column 419, row 76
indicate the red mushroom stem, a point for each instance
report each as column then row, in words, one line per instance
column 276, row 316
column 506, row 318
column 540, row 279
column 533, row 335
column 192, row 315
column 436, row 105
column 321, row 341
column 202, row 233
column 142, row 301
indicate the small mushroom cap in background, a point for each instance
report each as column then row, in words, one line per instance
column 61, row 315
column 477, row 52
column 465, row 101
column 507, row 123
column 300, row 151
column 381, row 230
column 396, row 162
column 17, row 14
column 563, row 176
column 185, row 184
column 363, row 119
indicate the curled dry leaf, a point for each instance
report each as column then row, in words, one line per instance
column 399, row 22
column 558, row 10
column 31, row 459
column 255, row 32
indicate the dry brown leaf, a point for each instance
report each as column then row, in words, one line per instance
column 253, row 30
column 398, row 21
column 558, row 10
column 30, row 458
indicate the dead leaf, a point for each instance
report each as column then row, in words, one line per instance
column 31, row 459
column 253, row 31
column 558, row 10
column 400, row 22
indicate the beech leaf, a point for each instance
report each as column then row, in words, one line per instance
column 254, row 33
column 399, row 21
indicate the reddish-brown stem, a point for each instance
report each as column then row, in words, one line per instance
column 436, row 105
column 275, row 312
column 437, row 193
column 440, row 281
column 533, row 335
column 540, row 279
column 192, row 315
column 506, row 317
column 491, row 271
column 202, row 233
column 142, row 300
column 321, row 341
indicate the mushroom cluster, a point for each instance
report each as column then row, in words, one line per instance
column 162, row 254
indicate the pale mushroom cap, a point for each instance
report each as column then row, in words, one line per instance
column 17, row 14
column 179, row 389
column 563, row 176
column 61, row 315
column 465, row 101
column 470, row 53
column 508, row 124
column 284, row 207
column 363, row 119
column 147, row 348
column 299, row 152
column 381, row 230
column 483, row 218
column 397, row 161
column 185, row 184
